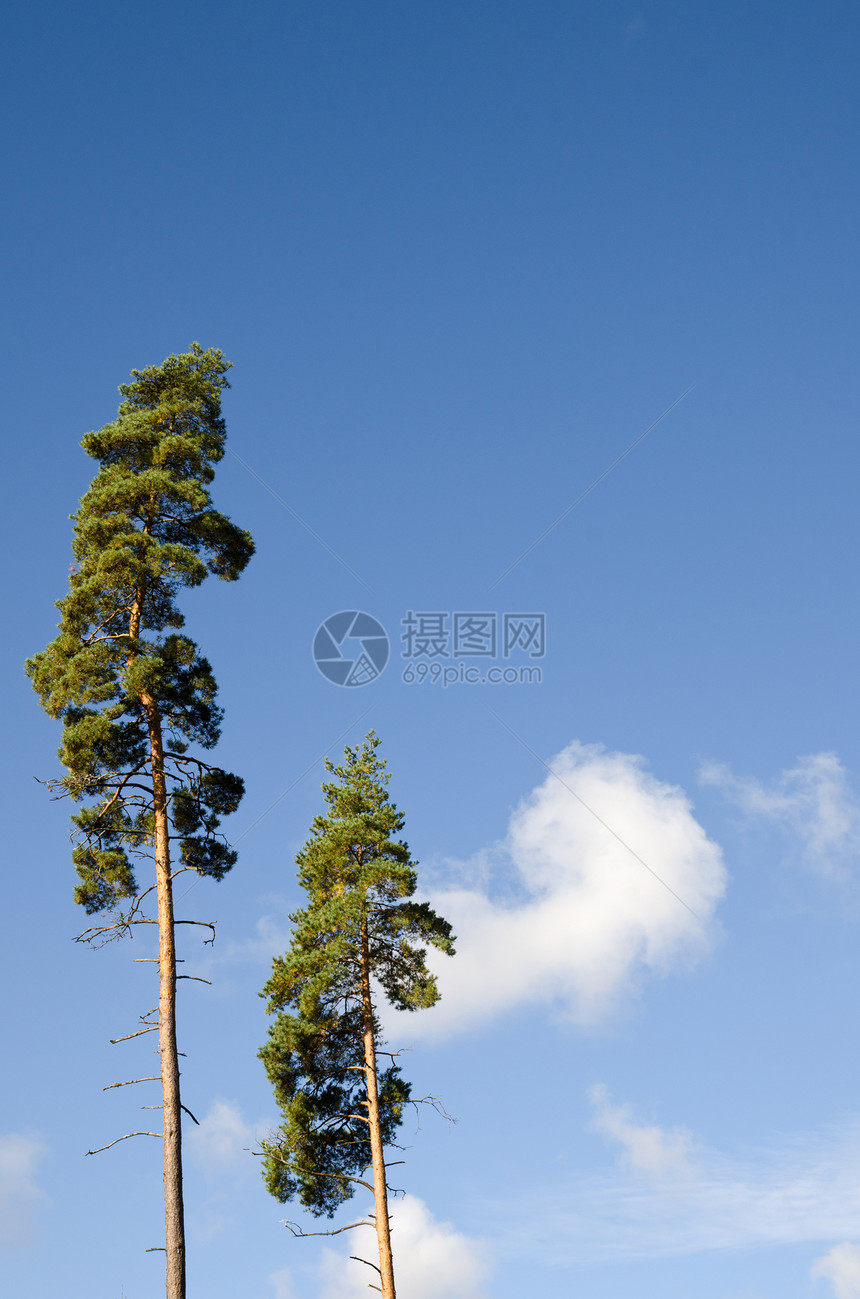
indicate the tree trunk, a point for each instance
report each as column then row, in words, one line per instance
column 174, row 1214
column 174, row 1208
column 380, row 1190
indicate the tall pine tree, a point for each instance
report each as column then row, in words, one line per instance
column 360, row 931
column 134, row 693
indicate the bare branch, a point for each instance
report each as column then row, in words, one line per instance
column 190, row 1115
column 120, row 926
column 195, row 977
column 188, row 759
column 435, row 1103
column 318, row 1172
column 298, row 1233
column 124, row 782
column 125, row 1138
column 204, row 924
column 155, row 1077
column 123, row 608
column 369, row 1264
column 113, row 931
column 152, row 1029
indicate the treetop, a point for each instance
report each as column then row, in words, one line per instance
column 120, row 666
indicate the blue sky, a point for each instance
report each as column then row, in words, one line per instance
column 462, row 256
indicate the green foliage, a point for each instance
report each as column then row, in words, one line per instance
column 315, row 1062
column 360, row 881
column 144, row 530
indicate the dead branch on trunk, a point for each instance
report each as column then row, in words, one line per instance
column 153, row 1028
column 369, row 1264
column 204, row 924
column 119, row 927
column 155, row 1077
column 299, row 1234
column 436, row 1104
column 99, row 1149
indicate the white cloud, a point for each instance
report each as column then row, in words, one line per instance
column 647, row 1150
column 431, row 1259
column 841, row 1267
column 585, row 846
column 223, row 1139
column 282, row 1283
column 803, row 1188
column 271, row 938
column 21, row 1196
column 813, row 801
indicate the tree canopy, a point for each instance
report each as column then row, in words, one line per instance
column 145, row 529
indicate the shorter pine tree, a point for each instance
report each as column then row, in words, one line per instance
column 360, row 931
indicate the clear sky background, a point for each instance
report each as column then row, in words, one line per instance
column 462, row 256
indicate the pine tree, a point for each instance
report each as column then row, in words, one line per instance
column 360, row 931
column 134, row 693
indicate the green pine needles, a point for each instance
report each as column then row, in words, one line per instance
column 360, row 931
column 119, row 666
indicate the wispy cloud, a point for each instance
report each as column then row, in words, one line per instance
column 813, row 802
column 589, row 918
column 800, row 1188
column 223, row 1140
column 282, row 1284
column 432, row 1259
column 271, row 938
column 841, row 1267
column 645, row 1148
column 21, row 1196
